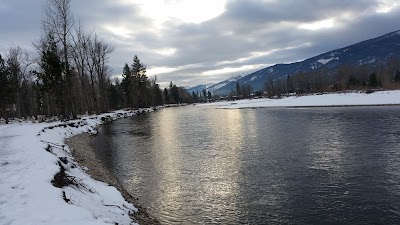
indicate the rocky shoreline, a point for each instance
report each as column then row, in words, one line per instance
column 83, row 152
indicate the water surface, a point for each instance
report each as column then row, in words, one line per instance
column 200, row 165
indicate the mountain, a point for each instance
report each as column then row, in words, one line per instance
column 212, row 87
column 233, row 80
column 371, row 53
column 199, row 88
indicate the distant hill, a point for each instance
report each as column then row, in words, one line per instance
column 370, row 52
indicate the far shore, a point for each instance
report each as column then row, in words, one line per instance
column 317, row 106
column 352, row 99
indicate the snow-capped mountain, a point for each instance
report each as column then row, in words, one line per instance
column 233, row 79
column 371, row 53
column 212, row 87
column 199, row 88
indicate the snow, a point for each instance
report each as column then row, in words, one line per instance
column 368, row 60
column 223, row 83
column 314, row 66
column 235, row 78
column 27, row 195
column 334, row 99
column 217, row 86
column 325, row 61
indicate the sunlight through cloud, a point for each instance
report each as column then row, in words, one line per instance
column 233, row 69
column 385, row 6
column 118, row 30
column 160, row 70
column 166, row 51
column 322, row 24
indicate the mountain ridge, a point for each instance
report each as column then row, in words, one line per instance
column 212, row 87
column 369, row 52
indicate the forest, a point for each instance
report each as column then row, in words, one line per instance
column 68, row 74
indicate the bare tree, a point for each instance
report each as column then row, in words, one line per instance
column 58, row 20
column 79, row 46
column 97, row 53
column 18, row 62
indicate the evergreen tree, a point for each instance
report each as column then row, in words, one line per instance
column 352, row 81
column 238, row 92
column 115, row 97
column 289, row 85
column 373, row 80
column 158, row 95
column 51, row 77
column 127, row 85
column 140, row 79
column 138, row 69
column 7, row 90
column 397, row 77
column 174, row 92
column 204, row 94
column 209, row 96
column 166, row 96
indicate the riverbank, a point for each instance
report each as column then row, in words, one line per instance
column 42, row 183
column 83, row 152
column 378, row 98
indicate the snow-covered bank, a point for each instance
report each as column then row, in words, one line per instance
column 334, row 99
column 40, row 183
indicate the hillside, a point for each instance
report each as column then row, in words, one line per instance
column 371, row 53
column 213, row 87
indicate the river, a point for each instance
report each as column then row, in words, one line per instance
column 200, row 165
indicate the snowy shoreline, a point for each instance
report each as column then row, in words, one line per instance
column 378, row 98
column 41, row 183
column 83, row 152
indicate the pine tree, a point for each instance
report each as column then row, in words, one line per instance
column 209, row 96
column 51, row 77
column 397, row 77
column 238, row 92
column 157, row 95
column 7, row 90
column 127, row 85
column 166, row 96
column 140, row 79
column 115, row 97
column 174, row 92
column 373, row 80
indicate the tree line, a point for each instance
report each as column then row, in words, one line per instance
column 69, row 74
column 346, row 77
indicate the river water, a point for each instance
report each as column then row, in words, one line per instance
column 200, row 165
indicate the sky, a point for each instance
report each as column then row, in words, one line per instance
column 194, row 42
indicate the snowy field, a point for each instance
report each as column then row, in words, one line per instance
column 31, row 154
column 334, row 99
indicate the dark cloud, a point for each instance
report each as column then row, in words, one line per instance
column 249, row 32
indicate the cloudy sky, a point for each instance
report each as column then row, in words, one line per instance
column 205, row 41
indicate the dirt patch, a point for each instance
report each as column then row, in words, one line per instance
column 84, row 155
column 61, row 180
